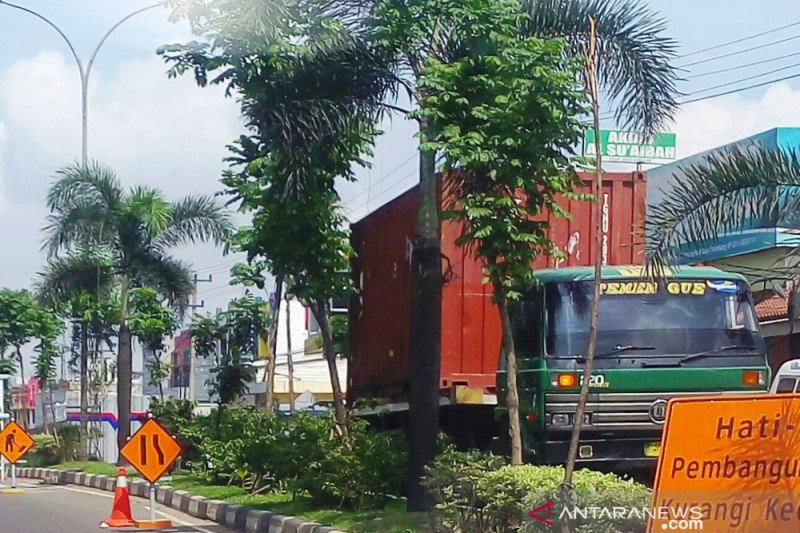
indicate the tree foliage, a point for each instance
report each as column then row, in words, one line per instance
column 150, row 320
column 506, row 116
column 635, row 57
column 736, row 190
column 23, row 320
column 231, row 337
column 136, row 230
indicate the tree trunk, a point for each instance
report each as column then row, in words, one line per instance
column 329, row 350
column 83, row 450
column 425, row 335
column 512, row 393
column 269, row 370
column 160, row 381
column 124, row 373
column 21, row 365
column 590, row 74
column 124, row 387
column 289, row 362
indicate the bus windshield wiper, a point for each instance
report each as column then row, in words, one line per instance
column 619, row 349
column 693, row 356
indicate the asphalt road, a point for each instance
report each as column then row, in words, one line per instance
column 72, row 509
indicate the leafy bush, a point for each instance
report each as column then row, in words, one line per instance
column 358, row 471
column 48, row 451
column 452, row 481
column 69, row 440
column 475, row 493
column 45, row 451
column 303, row 455
column 177, row 417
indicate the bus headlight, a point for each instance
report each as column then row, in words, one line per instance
column 561, row 419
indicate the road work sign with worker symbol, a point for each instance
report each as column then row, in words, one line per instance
column 151, row 450
column 730, row 464
column 14, row 442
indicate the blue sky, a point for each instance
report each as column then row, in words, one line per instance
column 171, row 134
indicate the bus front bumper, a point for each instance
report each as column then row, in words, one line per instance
column 630, row 452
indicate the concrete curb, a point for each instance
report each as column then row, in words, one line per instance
column 239, row 517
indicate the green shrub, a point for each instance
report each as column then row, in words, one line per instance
column 303, row 455
column 69, row 440
column 452, row 481
column 44, row 453
column 475, row 493
column 359, row 471
column 177, row 417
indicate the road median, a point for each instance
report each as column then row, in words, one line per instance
column 239, row 517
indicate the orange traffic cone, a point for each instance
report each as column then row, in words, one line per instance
column 121, row 511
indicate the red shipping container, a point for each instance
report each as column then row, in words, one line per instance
column 379, row 314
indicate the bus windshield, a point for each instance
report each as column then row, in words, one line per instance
column 651, row 319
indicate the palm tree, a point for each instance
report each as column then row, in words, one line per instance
column 136, row 228
column 740, row 189
column 625, row 53
column 73, row 286
column 380, row 57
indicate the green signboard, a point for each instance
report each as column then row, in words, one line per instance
column 629, row 147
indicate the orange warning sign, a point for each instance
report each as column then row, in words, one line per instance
column 14, row 442
column 151, row 450
column 729, row 464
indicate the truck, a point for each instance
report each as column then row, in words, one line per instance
column 641, row 364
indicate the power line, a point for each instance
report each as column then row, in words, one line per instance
column 742, row 39
column 382, row 178
column 729, row 54
column 728, row 84
column 384, row 191
column 737, row 67
column 612, row 114
column 740, row 89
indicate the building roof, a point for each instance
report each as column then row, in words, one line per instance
column 628, row 272
column 773, row 308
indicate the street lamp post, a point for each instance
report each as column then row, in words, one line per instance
column 84, row 70
column 3, row 416
column 84, row 73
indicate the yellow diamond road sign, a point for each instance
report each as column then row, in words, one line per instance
column 14, row 442
column 151, row 450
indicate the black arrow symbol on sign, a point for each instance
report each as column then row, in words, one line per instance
column 143, row 450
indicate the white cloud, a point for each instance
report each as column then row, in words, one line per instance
column 710, row 123
column 165, row 133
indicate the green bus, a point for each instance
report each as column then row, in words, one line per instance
column 694, row 332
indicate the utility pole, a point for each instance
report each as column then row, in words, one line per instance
column 3, row 417
column 194, row 305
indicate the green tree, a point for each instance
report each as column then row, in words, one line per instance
column 23, row 320
column 381, row 48
column 626, row 55
column 151, row 322
column 73, row 287
column 136, row 228
column 312, row 104
column 506, row 117
column 739, row 189
column 231, row 337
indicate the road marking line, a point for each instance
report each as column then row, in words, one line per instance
column 95, row 493
column 174, row 518
column 199, row 529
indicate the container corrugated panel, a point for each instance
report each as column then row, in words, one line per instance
column 470, row 322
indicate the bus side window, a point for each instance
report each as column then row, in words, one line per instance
column 785, row 385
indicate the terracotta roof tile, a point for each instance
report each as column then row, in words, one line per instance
column 773, row 308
